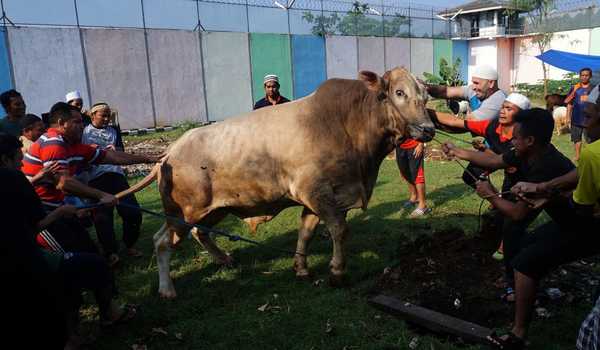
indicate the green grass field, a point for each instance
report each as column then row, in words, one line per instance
column 221, row 309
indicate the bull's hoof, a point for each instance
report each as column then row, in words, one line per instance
column 338, row 281
column 167, row 293
column 225, row 262
column 303, row 275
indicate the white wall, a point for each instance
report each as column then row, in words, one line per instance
column 482, row 51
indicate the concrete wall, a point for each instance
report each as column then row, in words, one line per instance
column 270, row 54
column 505, row 62
column 342, row 57
column 50, row 64
column 177, row 82
column 421, row 56
column 595, row 42
column 227, row 74
column 460, row 49
column 308, row 60
column 5, row 73
column 397, row 53
column 482, row 52
column 118, row 73
column 370, row 54
column 442, row 49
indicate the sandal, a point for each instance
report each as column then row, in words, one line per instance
column 409, row 204
column 508, row 342
column 509, row 295
column 128, row 313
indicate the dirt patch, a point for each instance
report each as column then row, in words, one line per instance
column 152, row 146
column 456, row 275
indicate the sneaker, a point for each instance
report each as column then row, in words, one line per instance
column 409, row 204
column 420, row 212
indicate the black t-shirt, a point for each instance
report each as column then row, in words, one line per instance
column 264, row 102
column 549, row 164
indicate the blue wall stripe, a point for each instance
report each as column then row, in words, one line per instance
column 5, row 75
column 460, row 49
column 308, row 60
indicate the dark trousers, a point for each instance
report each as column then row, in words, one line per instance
column 514, row 234
column 70, row 234
column 114, row 183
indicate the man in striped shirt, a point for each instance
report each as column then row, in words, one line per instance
column 61, row 145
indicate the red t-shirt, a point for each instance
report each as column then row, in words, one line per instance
column 478, row 128
column 409, row 144
column 51, row 147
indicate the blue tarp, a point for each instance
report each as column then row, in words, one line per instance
column 572, row 62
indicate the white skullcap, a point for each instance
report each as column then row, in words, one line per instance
column 72, row 96
column 519, row 100
column 484, row 71
column 271, row 77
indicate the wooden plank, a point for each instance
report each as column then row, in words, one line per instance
column 432, row 320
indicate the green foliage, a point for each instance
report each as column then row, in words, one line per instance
column 554, row 86
column 356, row 22
column 449, row 75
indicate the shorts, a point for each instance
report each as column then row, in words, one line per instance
column 550, row 246
column 411, row 167
column 577, row 134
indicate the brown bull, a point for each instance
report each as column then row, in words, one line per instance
column 321, row 152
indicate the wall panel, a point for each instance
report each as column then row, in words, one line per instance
column 270, row 54
column 370, row 54
column 441, row 49
column 397, row 53
column 308, row 60
column 421, row 56
column 460, row 49
column 342, row 57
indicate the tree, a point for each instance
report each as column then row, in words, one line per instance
column 356, row 22
column 449, row 75
column 538, row 12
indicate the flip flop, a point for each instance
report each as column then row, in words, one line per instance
column 510, row 342
column 509, row 295
column 128, row 313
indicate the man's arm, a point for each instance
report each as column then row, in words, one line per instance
column 70, row 185
column 441, row 91
column 122, row 158
column 515, row 211
column 449, row 120
column 566, row 182
column 569, row 112
column 62, row 211
column 481, row 159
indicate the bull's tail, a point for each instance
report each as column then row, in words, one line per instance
column 142, row 184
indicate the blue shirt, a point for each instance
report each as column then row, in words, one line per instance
column 578, row 102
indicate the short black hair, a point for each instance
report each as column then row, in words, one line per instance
column 29, row 120
column 61, row 111
column 536, row 122
column 9, row 145
column 7, row 95
column 586, row 69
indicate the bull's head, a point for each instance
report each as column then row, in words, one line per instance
column 404, row 99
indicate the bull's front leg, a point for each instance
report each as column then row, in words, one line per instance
column 338, row 228
column 309, row 222
column 163, row 242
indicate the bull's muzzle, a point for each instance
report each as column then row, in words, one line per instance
column 422, row 133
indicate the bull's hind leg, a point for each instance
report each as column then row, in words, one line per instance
column 309, row 222
column 338, row 228
column 164, row 241
column 213, row 218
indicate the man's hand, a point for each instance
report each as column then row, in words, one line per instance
column 47, row 173
column 108, row 200
column 479, row 145
column 524, row 188
column 419, row 150
column 485, row 189
column 448, row 148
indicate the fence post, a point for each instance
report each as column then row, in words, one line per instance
column 148, row 64
column 84, row 56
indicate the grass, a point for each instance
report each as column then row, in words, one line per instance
column 219, row 309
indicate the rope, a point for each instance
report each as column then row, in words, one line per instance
column 206, row 229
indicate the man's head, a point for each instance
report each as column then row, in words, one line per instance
column 484, row 81
column 13, row 104
column 271, row 84
column 585, row 75
column 74, row 99
column 533, row 130
column 591, row 121
column 67, row 119
column 10, row 151
column 512, row 105
column 100, row 115
column 32, row 127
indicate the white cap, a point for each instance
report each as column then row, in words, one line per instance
column 72, row 96
column 519, row 100
column 271, row 77
column 484, row 71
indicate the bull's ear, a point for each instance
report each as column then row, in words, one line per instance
column 371, row 80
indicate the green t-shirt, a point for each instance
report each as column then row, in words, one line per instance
column 10, row 127
column 588, row 171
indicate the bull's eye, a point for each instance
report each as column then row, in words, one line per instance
column 400, row 93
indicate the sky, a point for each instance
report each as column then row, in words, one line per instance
column 176, row 14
